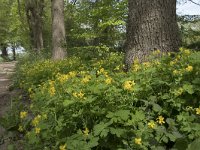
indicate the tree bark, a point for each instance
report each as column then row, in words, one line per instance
column 4, row 52
column 58, row 30
column 151, row 25
column 34, row 13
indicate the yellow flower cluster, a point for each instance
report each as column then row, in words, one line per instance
column 86, row 79
column 186, row 52
column 62, row 78
column 72, row 74
column 156, row 52
column 78, row 95
column 128, row 85
column 147, row 64
column 138, row 141
column 156, row 62
column 37, row 130
column 176, row 72
column 160, row 120
column 36, row 120
column 179, row 92
column 52, row 90
column 108, row 80
column 23, row 114
column 136, row 67
column 102, row 70
column 63, row 147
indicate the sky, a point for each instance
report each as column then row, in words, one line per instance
column 188, row 8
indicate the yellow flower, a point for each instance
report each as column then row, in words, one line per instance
column 147, row 64
column 86, row 79
column 181, row 49
column 63, row 147
column 178, row 57
column 176, row 72
column 30, row 90
column 189, row 69
column 37, row 130
column 179, row 92
column 100, row 71
column 23, row 114
column 63, row 78
column 75, row 94
column 138, row 141
column 80, row 95
column 151, row 124
column 187, row 52
column 117, row 68
column 52, row 91
column 156, row 62
column 72, row 74
column 198, row 111
column 172, row 63
column 156, row 52
column 128, row 85
column 188, row 108
column 86, row 131
column 36, row 120
column 160, row 120
column 136, row 67
column 20, row 129
column 108, row 80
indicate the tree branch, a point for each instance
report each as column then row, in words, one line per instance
column 194, row 2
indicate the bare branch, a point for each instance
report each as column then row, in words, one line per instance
column 194, row 2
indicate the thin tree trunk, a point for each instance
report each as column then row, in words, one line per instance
column 151, row 25
column 14, row 52
column 58, row 30
column 4, row 52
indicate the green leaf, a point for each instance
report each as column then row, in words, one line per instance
column 93, row 142
column 181, row 144
column 195, row 145
column 118, row 132
column 66, row 103
column 104, row 132
column 165, row 96
column 99, row 128
column 188, row 88
column 157, row 108
column 11, row 147
column 123, row 114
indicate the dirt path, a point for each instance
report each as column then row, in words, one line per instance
column 6, row 70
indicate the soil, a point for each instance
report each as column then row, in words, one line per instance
column 6, row 96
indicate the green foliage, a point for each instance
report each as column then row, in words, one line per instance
column 96, row 23
column 189, row 28
column 95, row 105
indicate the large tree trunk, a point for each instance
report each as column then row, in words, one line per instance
column 58, row 30
column 34, row 12
column 151, row 25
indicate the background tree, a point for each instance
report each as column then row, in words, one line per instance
column 151, row 25
column 58, row 30
column 34, row 13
